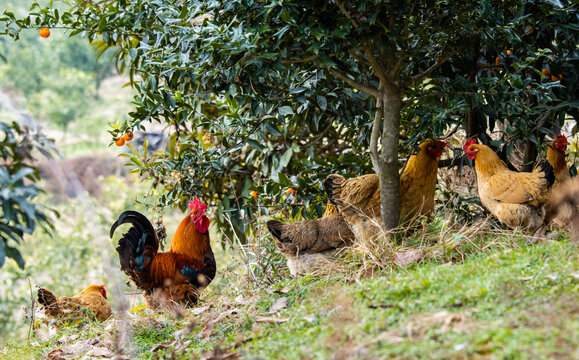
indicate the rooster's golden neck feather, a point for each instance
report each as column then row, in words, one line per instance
column 188, row 241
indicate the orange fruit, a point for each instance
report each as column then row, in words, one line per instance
column 498, row 61
column 120, row 141
column 44, row 32
column 291, row 191
column 531, row 31
column 560, row 76
column 254, row 194
column 438, row 58
column 508, row 52
column 546, row 72
column 554, row 78
column 128, row 136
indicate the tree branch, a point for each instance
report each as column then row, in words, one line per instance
column 378, row 68
column 355, row 84
column 299, row 61
column 346, row 13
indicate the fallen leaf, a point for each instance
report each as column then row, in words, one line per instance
column 408, row 257
column 208, row 329
column 286, row 289
column 198, row 311
column 160, row 346
column 270, row 320
column 66, row 339
column 182, row 345
column 553, row 276
column 278, row 304
column 575, row 275
column 56, row 354
column 526, row 278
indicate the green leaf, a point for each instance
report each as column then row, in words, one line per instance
column 285, row 110
column 284, row 180
column 286, row 157
column 15, row 255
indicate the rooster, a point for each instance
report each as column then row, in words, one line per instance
column 308, row 245
column 556, row 217
column 178, row 275
column 93, row 299
column 358, row 199
column 516, row 199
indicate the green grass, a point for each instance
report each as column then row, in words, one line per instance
column 511, row 303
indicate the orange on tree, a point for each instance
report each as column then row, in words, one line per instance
column 292, row 191
column 120, row 141
column 508, row 52
column 128, row 136
column 554, row 78
column 44, row 32
column 498, row 61
column 254, row 194
column 546, row 72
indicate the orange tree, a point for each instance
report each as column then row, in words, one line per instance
column 262, row 96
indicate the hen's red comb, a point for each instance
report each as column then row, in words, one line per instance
column 197, row 205
column 469, row 143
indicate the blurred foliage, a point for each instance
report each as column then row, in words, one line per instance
column 20, row 212
column 79, row 244
column 250, row 95
column 55, row 77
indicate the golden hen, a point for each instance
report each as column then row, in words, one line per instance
column 358, row 199
column 92, row 301
column 516, row 199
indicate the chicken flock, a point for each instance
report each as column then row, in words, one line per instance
column 531, row 201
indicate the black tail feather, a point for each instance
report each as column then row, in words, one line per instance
column 138, row 246
column 547, row 169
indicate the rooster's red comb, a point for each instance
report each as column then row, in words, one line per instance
column 197, row 205
column 561, row 137
column 469, row 143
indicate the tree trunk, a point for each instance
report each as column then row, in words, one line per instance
column 530, row 156
column 389, row 179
